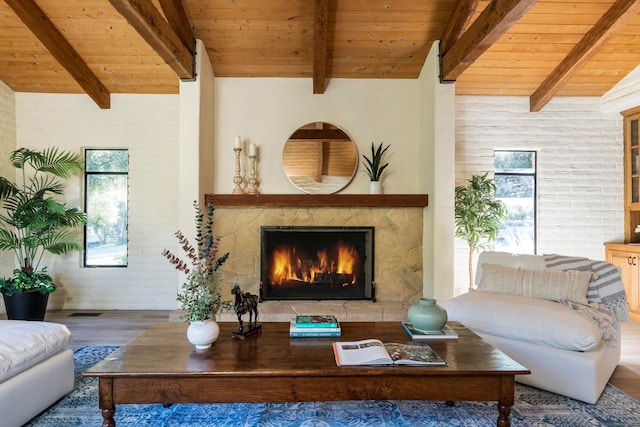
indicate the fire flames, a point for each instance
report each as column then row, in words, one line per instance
column 288, row 266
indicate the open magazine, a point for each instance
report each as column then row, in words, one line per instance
column 376, row 352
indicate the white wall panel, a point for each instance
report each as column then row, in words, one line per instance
column 580, row 171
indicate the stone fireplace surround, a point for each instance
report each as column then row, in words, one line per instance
column 398, row 222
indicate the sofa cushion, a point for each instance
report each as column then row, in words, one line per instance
column 532, row 262
column 567, row 262
column 25, row 343
column 525, row 319
column 553, row 285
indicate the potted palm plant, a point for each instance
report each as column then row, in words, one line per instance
column 200, row 297
column 33, row 223
column 375, row 167
column 478, row 215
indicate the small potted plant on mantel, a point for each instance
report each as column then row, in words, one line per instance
column 200, row 295
column 33, row 223
column 375, row 168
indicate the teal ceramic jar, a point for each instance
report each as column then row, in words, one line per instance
column 426, row 315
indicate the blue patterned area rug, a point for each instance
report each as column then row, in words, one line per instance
column 533, row 407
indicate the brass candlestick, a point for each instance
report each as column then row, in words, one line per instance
column 237, row 179
column 253, row 181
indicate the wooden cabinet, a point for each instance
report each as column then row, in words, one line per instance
column 627, row 257
column 631, row 175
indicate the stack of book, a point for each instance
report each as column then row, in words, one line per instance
column 314, row 325
column 445, row 333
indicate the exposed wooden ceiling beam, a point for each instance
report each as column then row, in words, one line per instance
column 616, row 17
column 320, row 19
column 179, row 22
column 40, row 25
column 155, row 30
column 462, row 13
column 495, row 20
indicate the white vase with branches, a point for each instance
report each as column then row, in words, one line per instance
column 200, row 294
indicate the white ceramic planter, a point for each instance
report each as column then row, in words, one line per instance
column 203, row 334
column 375, row 187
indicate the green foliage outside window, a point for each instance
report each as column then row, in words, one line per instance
column 107, row 207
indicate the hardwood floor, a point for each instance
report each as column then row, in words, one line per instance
column 627, row 375
column 105, row 327
column 119, row 327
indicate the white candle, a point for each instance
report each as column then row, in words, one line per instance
column 238, row 143
column 252, row 149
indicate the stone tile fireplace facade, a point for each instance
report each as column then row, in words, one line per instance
column 398, row 256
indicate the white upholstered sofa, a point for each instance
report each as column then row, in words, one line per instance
column 531, row 307
column 35, row 368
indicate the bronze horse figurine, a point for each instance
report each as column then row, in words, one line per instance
column 245, row 303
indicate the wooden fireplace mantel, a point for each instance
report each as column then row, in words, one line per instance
column 318, row 200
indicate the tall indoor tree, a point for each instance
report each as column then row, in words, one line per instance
column 478, row 215
column 33, row 222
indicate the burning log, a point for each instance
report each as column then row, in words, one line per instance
column 288, row 267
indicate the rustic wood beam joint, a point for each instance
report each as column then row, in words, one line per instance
column 156, row 31
column 320, row 20
column 458, row 22
column 608, row 25
column 179, row 22
column 495, row 20
column 42, row 27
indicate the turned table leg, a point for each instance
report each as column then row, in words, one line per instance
column 105, row 401
column 506, row 401
column 107, row 417
column 503, row 417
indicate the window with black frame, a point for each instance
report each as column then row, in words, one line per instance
column 515, row 179
column 106, row 205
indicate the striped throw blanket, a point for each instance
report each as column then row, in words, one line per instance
column 606, row 295
column 605, row 288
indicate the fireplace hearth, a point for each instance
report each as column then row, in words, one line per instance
column 317, row 263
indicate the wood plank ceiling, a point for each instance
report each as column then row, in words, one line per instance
column 538, row 49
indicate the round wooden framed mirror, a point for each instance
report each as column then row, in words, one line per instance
column 320, row 158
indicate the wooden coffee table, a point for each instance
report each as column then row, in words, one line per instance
column 160, row 366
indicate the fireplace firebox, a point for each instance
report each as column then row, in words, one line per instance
column 317, row 263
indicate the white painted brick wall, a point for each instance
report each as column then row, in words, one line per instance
column 580, row 185
column 7, row 145
column 7, row 127
column 580, row 170
column 148, row 126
